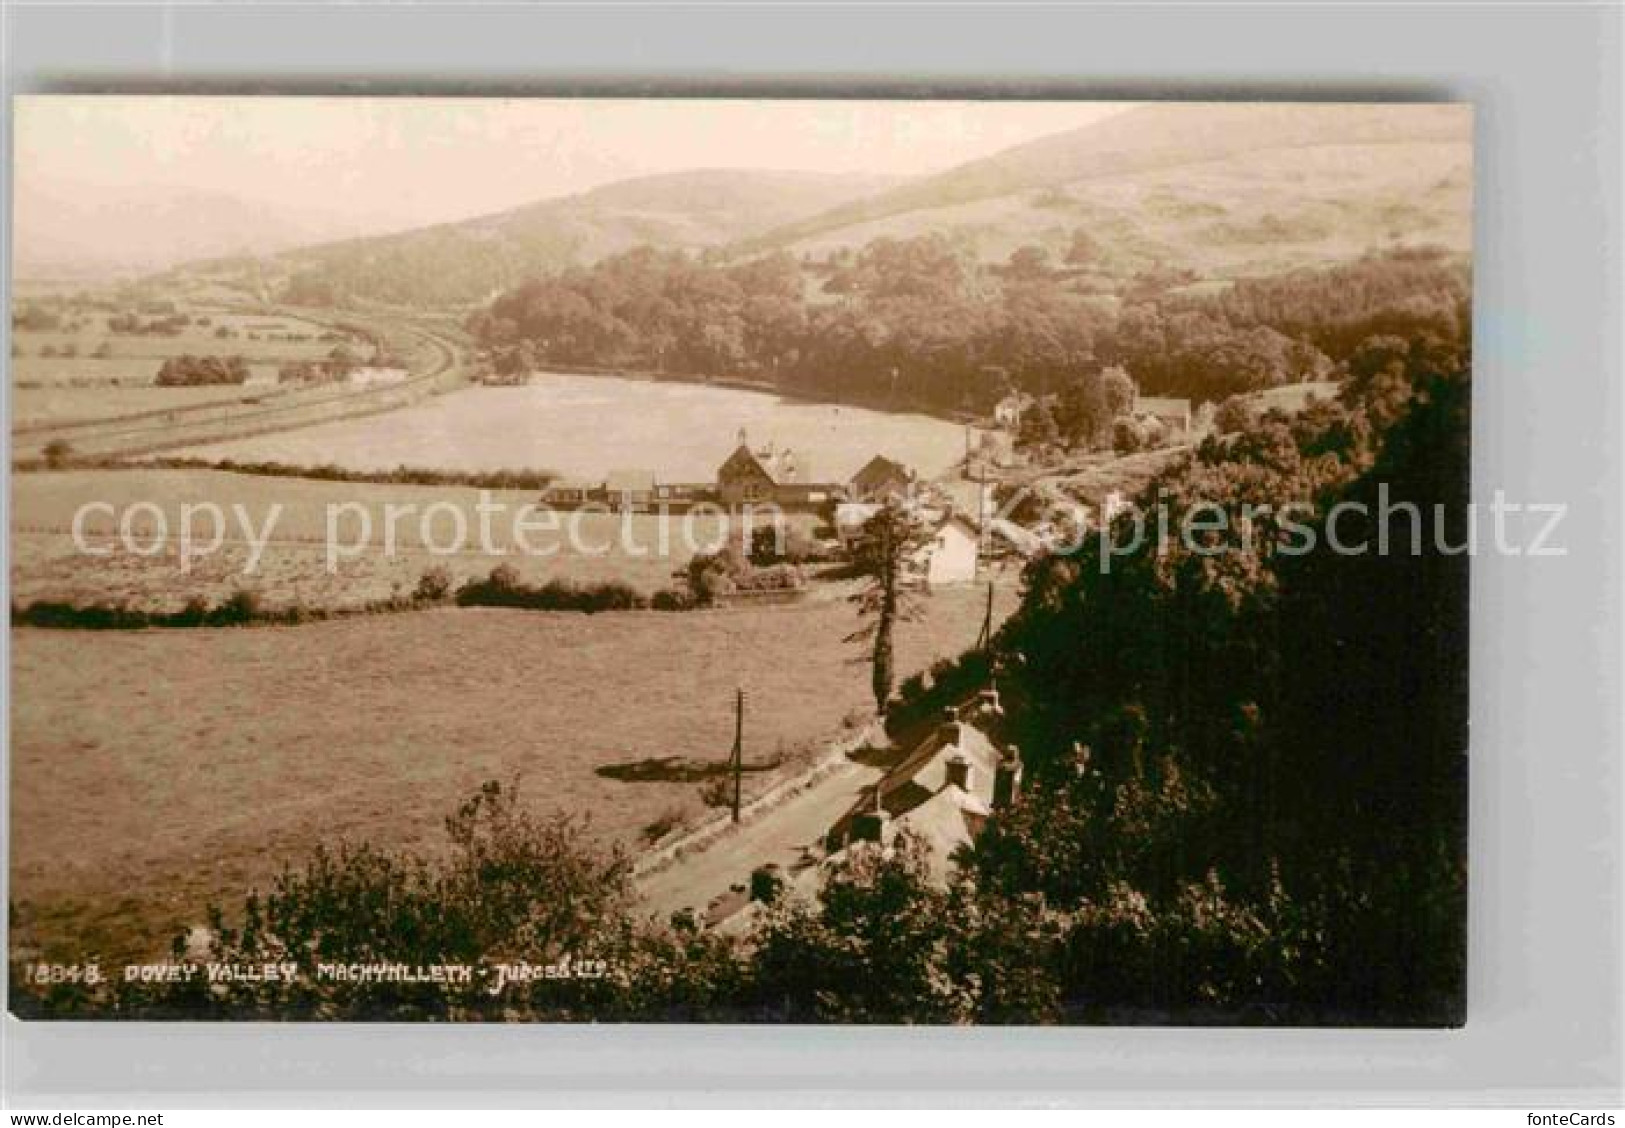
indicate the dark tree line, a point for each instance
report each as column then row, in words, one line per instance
column 917, row 322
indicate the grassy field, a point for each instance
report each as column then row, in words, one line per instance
column 58, row 389
column 65, row 403
column 153, row 772
column 47, row 564
column 587, row 426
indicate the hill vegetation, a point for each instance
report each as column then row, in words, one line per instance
column 917, row 323
column 464, row 262
column 1220, row 191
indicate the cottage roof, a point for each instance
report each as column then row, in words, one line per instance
column 881, row 469
column 783, row 467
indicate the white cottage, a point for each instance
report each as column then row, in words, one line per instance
column 950, row 556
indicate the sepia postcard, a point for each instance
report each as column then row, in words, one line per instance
column 741, row 560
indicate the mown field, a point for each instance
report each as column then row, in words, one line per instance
column 59, row 377
column 156, row 771
column 47, row 564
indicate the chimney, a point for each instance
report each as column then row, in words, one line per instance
column 958, row 770
column 948, row 733
column 1007, row 779
column 874, row 824
column 744, row 439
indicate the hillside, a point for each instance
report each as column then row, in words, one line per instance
column 1220, row 189
column 466, row 261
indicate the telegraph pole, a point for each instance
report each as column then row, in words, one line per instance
column 737, row 761
column 985, row 639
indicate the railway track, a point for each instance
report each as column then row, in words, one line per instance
column 149, row 432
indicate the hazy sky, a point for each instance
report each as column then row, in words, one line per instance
column 354, row 165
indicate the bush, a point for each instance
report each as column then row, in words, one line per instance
column 434, row 586
column 195, row 371
column 671, row 599
column 1234, row 415
column 504, row 588
column 1127, row 436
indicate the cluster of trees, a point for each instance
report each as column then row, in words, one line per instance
column 188, row 370
column 773, row 561
column 1262, row 744
column 132, row 325
column 919, row 322
column 35, row 318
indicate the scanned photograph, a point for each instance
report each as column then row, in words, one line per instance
column 740, row 560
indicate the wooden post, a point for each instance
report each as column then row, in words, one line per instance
column 985, row 639
column 737, row 762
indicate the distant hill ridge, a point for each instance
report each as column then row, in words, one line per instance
column 1148, row 138
column 1222, row 190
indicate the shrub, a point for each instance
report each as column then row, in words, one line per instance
column 1234, row 414
column 671, row 599
column 242, row 606
column 434, row 586
column 1127, row 436
column 504, row 588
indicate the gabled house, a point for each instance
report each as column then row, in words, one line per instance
column 944, row 791
column 950, row 556
column 880, row 480
column 742, row 478
column 781, row 477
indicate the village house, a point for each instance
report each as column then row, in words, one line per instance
column 1008, row 411
column 943, row 791
column 950, row 556
column 880, row 480
column 760, row 477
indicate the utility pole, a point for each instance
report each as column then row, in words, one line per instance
column 985, row 639
column 737, row 761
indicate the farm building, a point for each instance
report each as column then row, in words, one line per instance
column 880, row 480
